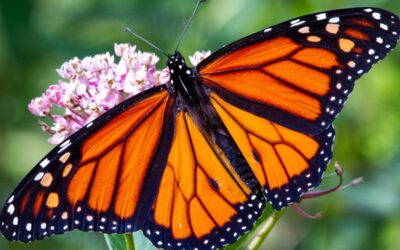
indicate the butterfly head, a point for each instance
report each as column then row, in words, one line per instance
column 176, row 64
column 179, row 71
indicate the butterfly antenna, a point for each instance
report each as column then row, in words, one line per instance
column 146, row 41
column 188, row 23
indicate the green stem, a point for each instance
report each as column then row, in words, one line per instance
column 129, row 243
column 265, row 229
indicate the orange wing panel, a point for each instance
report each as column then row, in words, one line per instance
column 305, row 144
column 163, row 204
column 253, row 55
column 139, row 150
column 356, row 34
column 292, row 160
column 201, row 221
column 311, row 80
column 182, row 160
column 320, row 58
column 220, row 210
column 38, row 203
column 79, row 184
column 24, row 201
column 257, row 85
column 104, row 180
column 180, row 216
column 362, row 22
column 271, row 165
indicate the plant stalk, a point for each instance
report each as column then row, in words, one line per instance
column 129, row 243
column 264, row 230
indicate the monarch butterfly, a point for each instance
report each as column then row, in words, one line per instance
column 193, row 162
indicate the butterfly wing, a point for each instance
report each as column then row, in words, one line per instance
column 286, row 162
column 299, row 73
column 98, row 179
column 202, row 202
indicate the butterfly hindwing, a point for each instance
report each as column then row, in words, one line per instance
column 286, row 163
column 201, row 203
column 93, row 181
column 299, row 73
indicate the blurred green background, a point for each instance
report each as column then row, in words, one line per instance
column 37, row 36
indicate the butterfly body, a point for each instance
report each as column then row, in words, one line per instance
column 192, row 162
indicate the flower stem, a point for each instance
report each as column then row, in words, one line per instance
column 265, row 228
column 129, row 243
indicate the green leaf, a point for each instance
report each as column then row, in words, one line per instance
column 141, row 242
column 115, row 241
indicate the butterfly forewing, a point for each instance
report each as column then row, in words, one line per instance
column 94, row 180
column 299, row 73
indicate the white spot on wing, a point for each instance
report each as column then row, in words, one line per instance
column 65, row 143
column 376, row 15
column 383, row 26
column 334, row 20
column 15, row 221
column 295, row 21
column 321, row 16
column 297, row 24
column 44, row 163
column 39, row 176
column 11, row 209
column 11, row 199
column 371, row 51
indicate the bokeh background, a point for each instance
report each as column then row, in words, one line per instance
column 37, row 36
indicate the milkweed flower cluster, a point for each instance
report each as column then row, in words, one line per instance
column 93, row 85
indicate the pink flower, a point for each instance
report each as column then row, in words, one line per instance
column 70, row 68
column 40, row 106
column 61, row 129
column 54, row 93
column 95, row 84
